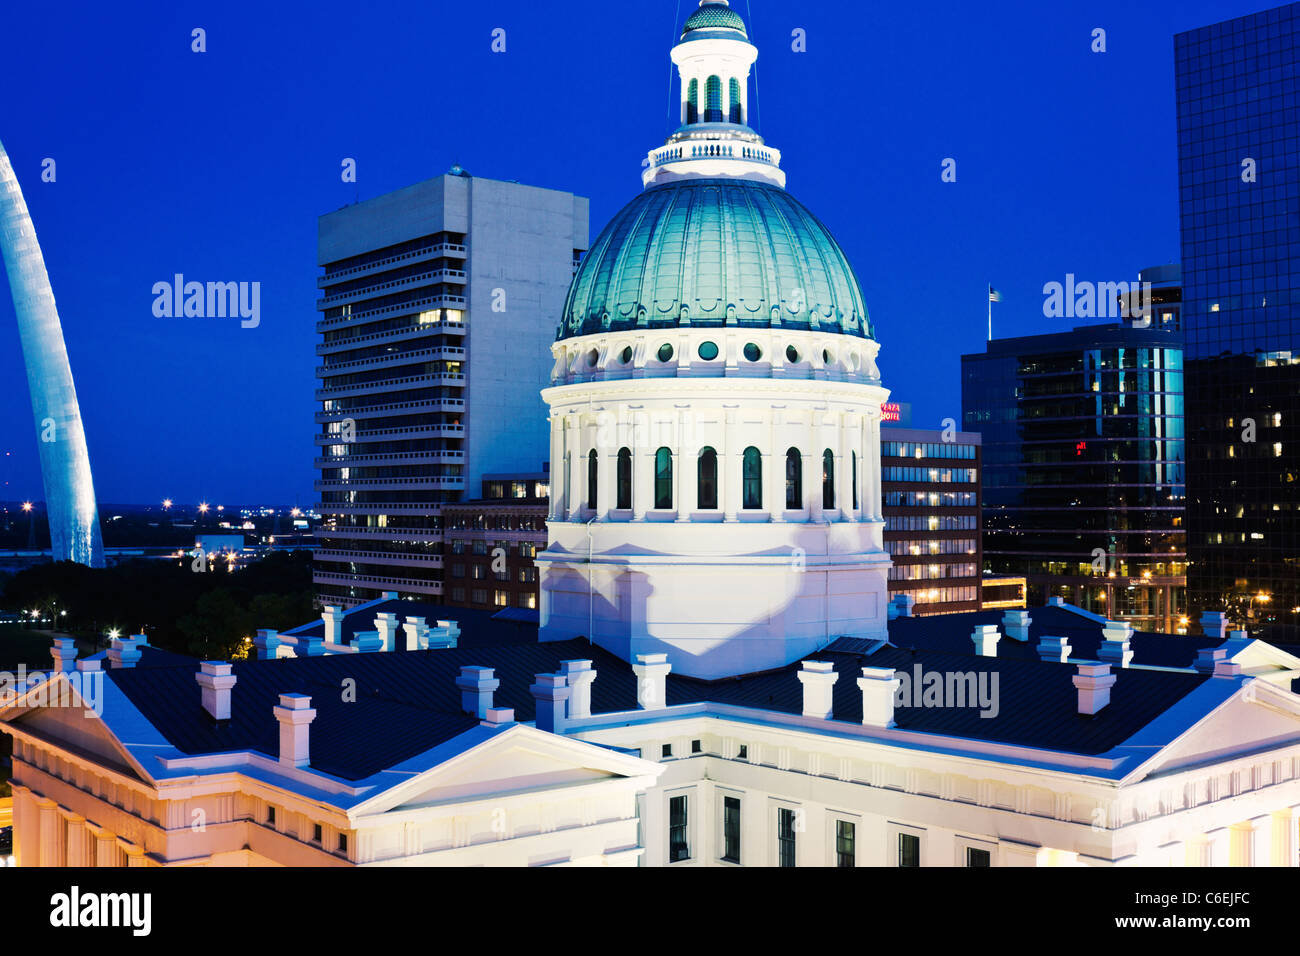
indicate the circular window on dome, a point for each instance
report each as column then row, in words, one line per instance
column 626, row 355
column 752, row 352
column 665, row 352
column 592, row 358
column 791, row 353
column 708, row 351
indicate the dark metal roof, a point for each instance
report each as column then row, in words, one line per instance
column 478, row 628
column 952, row 633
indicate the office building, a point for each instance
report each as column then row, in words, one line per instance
column 930, row 482
column 1083, row 467
column 438, row 308
column 490, row 544
column 1239, row 185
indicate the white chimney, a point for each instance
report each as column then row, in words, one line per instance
column 295, row 715
column 901, row 605
column 417, row 633
column 1094, row 682
column 986, row 637
column 1056, row 602
column 651, row 672
column 386, row 625
column 1054, row 649
column 64, row 653
column 1115, row 638
column 1227, row 669
column 1214, row 624
column 552, row 694
column 818, row 679
column 1016, row 624
column 125, row 651
column 367, row 642
column 879, row 685
column 477, row 686
column 498, row 716
column 1208, row 658
column 333, row 618
column 267, row 643
column 216, row 680
column 580, row 676
column 310, row 645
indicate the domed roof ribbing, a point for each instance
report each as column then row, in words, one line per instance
column 714, row 252
column 714, row 16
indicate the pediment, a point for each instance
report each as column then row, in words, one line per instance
column 513, row 762
column 65, row 721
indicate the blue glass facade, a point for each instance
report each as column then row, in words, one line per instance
column 1239, row 207
column 1083, row 459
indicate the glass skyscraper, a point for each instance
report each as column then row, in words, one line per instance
column 1083, row 479
column 1239, row 207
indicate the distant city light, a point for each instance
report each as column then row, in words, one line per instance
column 27, row 506
column 203, row 508
column 167, row 502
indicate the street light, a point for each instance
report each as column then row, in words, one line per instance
column 167, row 503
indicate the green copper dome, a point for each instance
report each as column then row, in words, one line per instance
column 714, row 252
column 715, row 16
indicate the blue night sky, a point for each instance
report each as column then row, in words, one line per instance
column 216, row 165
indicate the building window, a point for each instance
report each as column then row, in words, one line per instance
column 478, row 596
column 977, row 857
column 458, row 595
column 270, row 816
column 666, row 750
column 855, row 480
column 343, row 843
column 480, row 547
column 663, row 478
column 828, row 479
column 909, row 849
column 592, row 475
column 742, row 753
column 568, row 498
column 477, row 572
column 845, row 843
column 734, row 89
column 624, row 479
column 458, row 570
column 708, row 479
column 713, row 100
column 752, row 478
column 501, row 598
column 678, row 848
column 696, row 746
column 793, row 479
column 316, row 834
column 731, row 829
column 693, row 102
column 784, row 836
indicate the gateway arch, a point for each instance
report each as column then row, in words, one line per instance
column 65, row 463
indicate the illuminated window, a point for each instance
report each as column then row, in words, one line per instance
column 793, row 479
column 752, row 479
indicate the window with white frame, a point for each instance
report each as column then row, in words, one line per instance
column 679, row 837
column 973, row 852
column 906, row 845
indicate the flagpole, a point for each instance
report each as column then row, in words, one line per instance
column 990, row 294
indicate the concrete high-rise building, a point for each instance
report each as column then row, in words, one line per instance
column 65, row 461
column 438, row 312
column 1239, row 194
column 1083, row 481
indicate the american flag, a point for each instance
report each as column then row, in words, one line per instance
column 994, row 295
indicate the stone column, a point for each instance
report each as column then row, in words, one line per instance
column 52, row 833
column 774, row 489
column 843, row 469
column 685, row 470
column 812, row 471
column 733, row 469
column 557, row 464
column 643, row 468
column 1283, row 850
column 573, row 450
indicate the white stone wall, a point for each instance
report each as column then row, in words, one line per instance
column 726, row 589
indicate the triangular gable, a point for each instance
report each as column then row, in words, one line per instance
column 59, row 714
column 496, row 762
column 1256, row 717
column 1261, row 659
